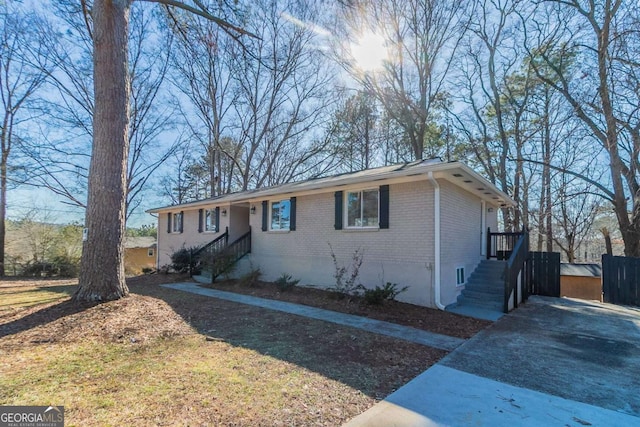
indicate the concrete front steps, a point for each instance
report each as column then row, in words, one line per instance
column 483, row 294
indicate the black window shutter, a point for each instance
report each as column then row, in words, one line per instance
column 264, row 215
column 181, row 221
column 338, row 218
column 384, row 206
column 200, row 220
column 169, row 222
column 217, row 219
column 292, row 214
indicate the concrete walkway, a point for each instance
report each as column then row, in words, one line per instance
column 405, row 333
column 551, row 362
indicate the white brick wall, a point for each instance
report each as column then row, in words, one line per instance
column 401, row 254
column 171, row 242
column 461, row 236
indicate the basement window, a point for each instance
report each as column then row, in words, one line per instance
column 460, row 279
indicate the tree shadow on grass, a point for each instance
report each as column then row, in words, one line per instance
column 38, row 317
column 374, row 364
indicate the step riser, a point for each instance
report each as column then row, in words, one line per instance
column 485, row 286
column 485, row 278
column 493, row 296
column 492, row 305
column 488, row 273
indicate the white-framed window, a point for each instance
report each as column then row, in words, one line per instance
column 210, row 220
column 362, row 208
column 280, row 214
column 150, row 252
column 460, row 279
column 177, row 223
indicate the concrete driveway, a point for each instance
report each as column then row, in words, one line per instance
column 550, row 362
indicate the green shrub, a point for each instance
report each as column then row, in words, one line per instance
column 379, row 295
column 182, row 259
column 37, row 269
column 286, row 282
column 66, row 266
column 147, row 270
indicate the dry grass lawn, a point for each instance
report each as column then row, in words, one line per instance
column 163, row 357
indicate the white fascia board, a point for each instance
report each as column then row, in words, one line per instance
column 324, row 185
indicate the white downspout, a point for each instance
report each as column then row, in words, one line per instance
column 483, row 229
column 436, row 225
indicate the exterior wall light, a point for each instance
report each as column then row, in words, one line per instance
column 224, row 212
column 253, row 210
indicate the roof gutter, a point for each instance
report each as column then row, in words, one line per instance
column 436, row 225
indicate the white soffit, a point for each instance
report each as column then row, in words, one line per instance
column 464, row 177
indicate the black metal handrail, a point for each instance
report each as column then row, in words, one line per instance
column 501, row 245
column 214, row 246
column 226, row 258
column 515, row 265
column 202, row 256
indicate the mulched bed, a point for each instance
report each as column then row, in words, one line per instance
column 391, row 311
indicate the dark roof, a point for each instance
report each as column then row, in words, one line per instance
column 582, row 270
column 455, row 172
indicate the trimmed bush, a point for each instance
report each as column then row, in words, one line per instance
column 379, row 295
column 286, row 282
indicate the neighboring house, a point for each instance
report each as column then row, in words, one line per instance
column 582, row 281
column 139, row 253
column 421, row 224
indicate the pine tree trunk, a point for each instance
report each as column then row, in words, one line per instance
column 3, row 211
column 102, row 266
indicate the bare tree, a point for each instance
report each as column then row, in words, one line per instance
column 177, row 185
column 282, row 99
column 497, row 92
column 201, row 59
column 575, row 216
column 61, row 164
column 422, row 36
column 19, row 81
column 355, row 139
column 603, row 38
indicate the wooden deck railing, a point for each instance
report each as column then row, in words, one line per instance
column 501, row 245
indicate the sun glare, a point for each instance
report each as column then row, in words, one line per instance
column 369, row 52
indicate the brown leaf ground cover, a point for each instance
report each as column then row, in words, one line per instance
column 164, row 357
column 391, row 311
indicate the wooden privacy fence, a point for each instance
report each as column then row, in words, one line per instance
column 620, row 280
column 543, row 274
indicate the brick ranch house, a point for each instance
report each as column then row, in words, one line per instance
column 421, row 224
